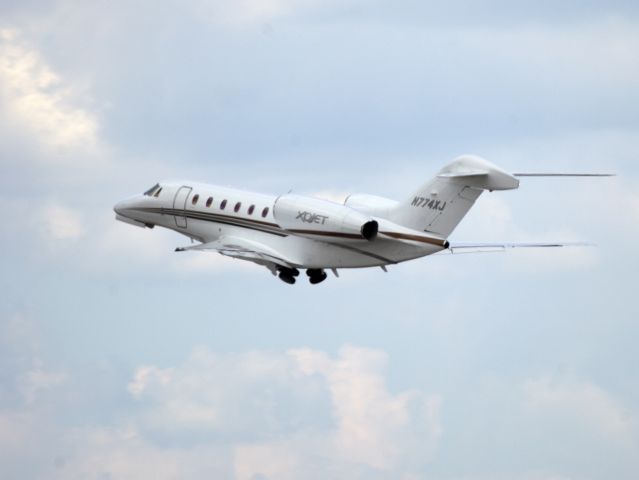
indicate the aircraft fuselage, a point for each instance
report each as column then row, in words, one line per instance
column 207, row 213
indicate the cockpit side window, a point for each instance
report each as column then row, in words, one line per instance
column 157, row 193
column 152, row 190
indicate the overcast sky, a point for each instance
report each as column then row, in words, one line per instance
column 120, row 359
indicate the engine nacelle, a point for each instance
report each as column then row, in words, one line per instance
column 315, row 217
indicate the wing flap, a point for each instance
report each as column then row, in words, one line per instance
column 242, row 249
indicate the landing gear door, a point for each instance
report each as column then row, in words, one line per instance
column 179, row 205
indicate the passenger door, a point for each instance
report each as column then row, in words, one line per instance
column 179, row 203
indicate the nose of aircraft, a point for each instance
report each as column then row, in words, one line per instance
column 121, row 207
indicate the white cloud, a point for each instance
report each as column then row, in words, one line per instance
column 122, row 453
column 280, row 413
column 183, row 412
column 40, row 379
column 266, row 461
column 299, row 414
column 210, row 396
column 26, row 376
column 42, row 102
column 373, row 425
column 585, row 402
column 15, row 432
column 146, row 376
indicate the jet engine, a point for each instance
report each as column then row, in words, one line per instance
column 313, row 217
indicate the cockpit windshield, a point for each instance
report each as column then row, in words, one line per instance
column 154, row 189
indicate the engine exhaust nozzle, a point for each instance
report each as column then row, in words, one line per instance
column 369, row 230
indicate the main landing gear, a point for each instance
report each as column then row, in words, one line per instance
column 289, row 275
column 316, row 275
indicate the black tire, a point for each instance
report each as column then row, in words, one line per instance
column 287, row 279
column 315, row 279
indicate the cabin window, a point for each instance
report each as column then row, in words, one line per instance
column 223, row 205
column 250, row 209
column 209, row 201
column 237, row 207
column 157, row 194
column 196, row 197
column 265, row 212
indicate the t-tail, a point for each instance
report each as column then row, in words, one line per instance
column 441, row 203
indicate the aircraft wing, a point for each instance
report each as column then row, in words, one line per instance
column 243, row 249
column 462, row 247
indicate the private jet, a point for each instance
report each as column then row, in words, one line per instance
column 291, row 232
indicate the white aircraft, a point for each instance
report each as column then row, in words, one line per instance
column 290, row 232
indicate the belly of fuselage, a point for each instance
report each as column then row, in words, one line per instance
column 306, row 252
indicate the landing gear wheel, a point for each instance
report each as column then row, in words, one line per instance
column 317, row 279
column 287, row 278
column 316, row 275
column 288, row 275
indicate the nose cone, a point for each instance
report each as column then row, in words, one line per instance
column 131, row 211
column 123, row 208
column 120, row 207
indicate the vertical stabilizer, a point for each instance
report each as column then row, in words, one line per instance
column 441, row 203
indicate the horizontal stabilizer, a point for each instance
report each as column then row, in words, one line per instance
column 455, row 247
column 563, row 174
